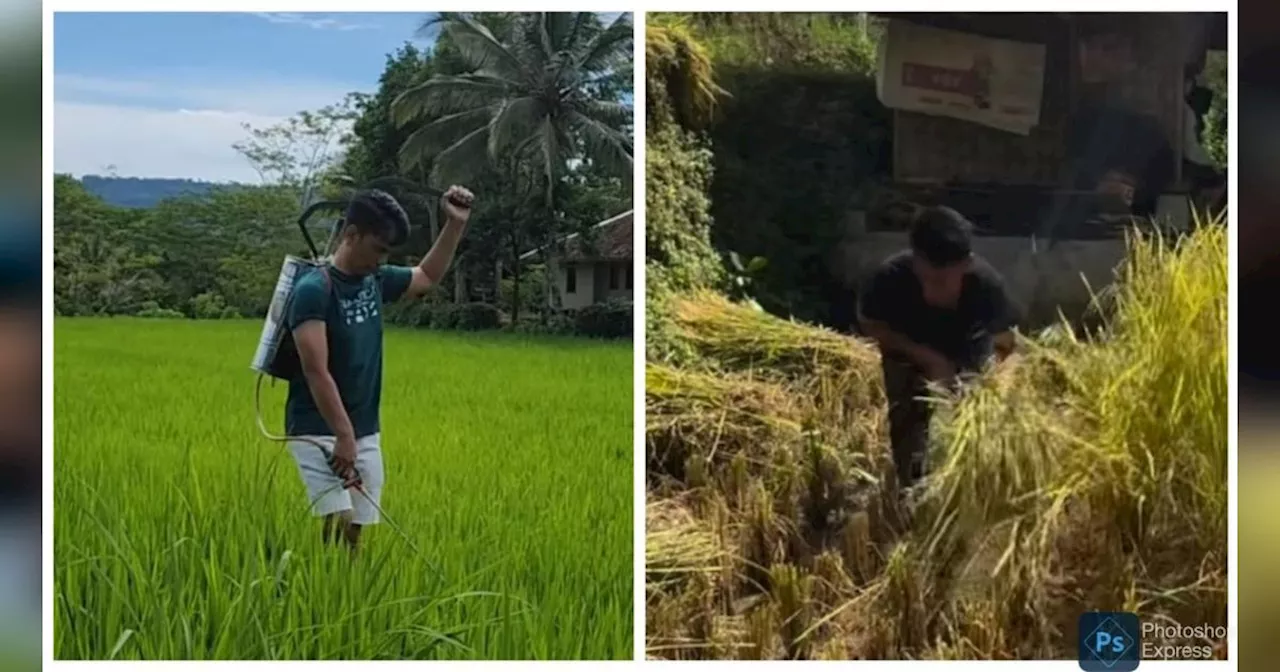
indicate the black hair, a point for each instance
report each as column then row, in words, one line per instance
column 373, row 211
column 941, row 236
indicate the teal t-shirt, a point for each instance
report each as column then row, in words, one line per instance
column 351, row 308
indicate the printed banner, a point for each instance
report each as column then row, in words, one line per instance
column 996, row 83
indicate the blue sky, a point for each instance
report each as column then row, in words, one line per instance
column 165, row 94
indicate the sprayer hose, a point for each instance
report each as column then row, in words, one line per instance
column 359, row 487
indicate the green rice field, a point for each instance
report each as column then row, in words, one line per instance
column 181, row 533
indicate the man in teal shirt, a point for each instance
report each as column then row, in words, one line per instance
column 336, row 318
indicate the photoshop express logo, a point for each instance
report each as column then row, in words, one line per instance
column 1109, row 641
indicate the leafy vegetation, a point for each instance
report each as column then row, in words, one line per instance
column 681, row 99
column 1214, row 136
column 784, row 105
column 181, row 534
column 216, row 250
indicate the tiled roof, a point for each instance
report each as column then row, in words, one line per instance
column 612, row 240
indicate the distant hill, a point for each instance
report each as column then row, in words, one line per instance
column 142, row 192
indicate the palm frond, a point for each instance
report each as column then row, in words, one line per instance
column 407, row 192
column 436, row 136
column 543, row 30
column 446, row 95
column 609, row 48
column 482, row 51
column 611, row 113
column 560, row 28
column 621, row 78
column 584, row 24
column 609, row 148
column 534, row 98
column 433, row 24
column 514, row 122
column 525, row 42
column 463, row 160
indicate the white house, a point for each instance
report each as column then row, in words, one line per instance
column 586, row 274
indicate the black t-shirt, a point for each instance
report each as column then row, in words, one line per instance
column 893, row 295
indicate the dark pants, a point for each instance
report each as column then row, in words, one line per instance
column 908, row 419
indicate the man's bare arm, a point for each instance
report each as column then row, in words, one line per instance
column 313, row 350
column 456, row 204
column 435, row 263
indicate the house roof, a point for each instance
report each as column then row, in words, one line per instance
column 612, row 238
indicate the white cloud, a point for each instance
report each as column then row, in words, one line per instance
column 147, row 128
column 143, row 142
column 312, row 21
column 177, row 90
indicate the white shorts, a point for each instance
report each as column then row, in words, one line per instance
column 324, row 488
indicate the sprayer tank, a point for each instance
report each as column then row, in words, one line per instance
column 273, row 327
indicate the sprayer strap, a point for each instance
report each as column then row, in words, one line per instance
column 332, row 289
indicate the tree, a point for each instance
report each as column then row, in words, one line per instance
column 374, row 145
column 541, row 93
column 98, row 269
column 530, row 98
column 297, row 151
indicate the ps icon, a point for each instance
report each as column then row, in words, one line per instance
column 1109, row 641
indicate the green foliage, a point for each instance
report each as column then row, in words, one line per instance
column 375, row 140
column 678, row 250
column 409, row 313
column 610, row 320
column 680, row 86
column 742, row 276
column 510, row 216
column 208, row 306
column 526, row 93
column 475, row 316
column 681, row 99
column 798, row 142
column 557, row 323
column 1215, row 120
column 299, row 150
column 531, row 292
column 790, row 41
column 795, row 153
column 443, row 315
column 151, row 309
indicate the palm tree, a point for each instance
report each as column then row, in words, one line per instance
column 542, row 93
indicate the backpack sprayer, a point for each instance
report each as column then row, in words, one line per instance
column 277, row 353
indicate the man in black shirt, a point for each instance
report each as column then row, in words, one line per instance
column 936, row 310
